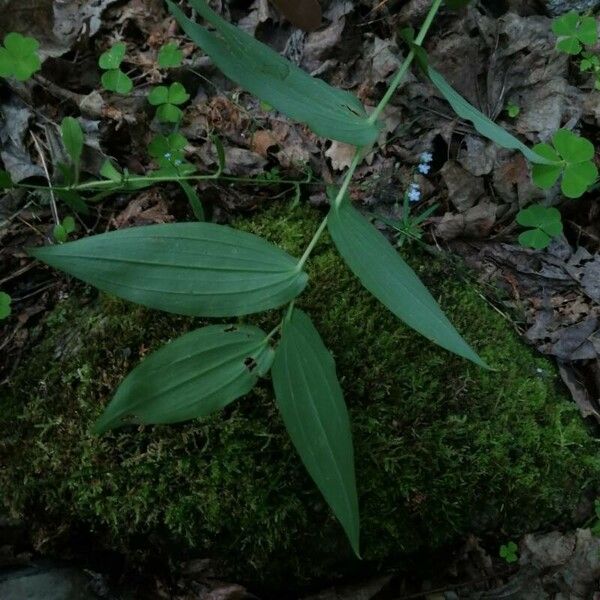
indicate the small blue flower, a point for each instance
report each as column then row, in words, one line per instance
column 424, row 168
column 177, row 162
column 168, row 155
column 414, row 194
column 426, row 157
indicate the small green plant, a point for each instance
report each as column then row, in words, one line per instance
column 513, row 110
column 209, row 270
column 509, row 552
column 591, row 62
column 574, row 31
column 19, row 57
column 409, row 226
column 169, row 56
column 167, row 101
column 114, row 79
column 544, row 223
column 5, row 302
column 572, row 156
column 63, row 229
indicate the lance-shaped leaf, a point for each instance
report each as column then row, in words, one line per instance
column 72, row 136
column 190, row 377
column 311, row 403
column 328, row 111
column 200, row 269
column 383, row 272
column 484, row 125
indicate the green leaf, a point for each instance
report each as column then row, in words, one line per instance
column 117, row 81
column 109, row 171
column 190, row 377
column 538, row 216
column 546, row 222
column 6, row 181
column 169, row 56
column 74, row 201
column 534, row 238
column 199, row 269
column 193, row 199
column 5, row 301
column 576, row 164
column 311, row 403
column 577, row 178
column 383, row 272
column 158, row 95
column 174, row 94
column 545, row 176
column 72, row 136
column 513, row 110
column 177, row 94
column 169, row 113
column 173, row 144
column 572, row 147
column 59, row 233
column 329, row 112
column 484, row 125
column 574, row 30
column 69, row 224
column 113, row 57
column 19, row 57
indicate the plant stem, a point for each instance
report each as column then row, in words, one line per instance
column 407, row 62
column 358, row 156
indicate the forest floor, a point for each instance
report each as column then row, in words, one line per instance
column 496, row 54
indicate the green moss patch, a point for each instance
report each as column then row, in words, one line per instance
column 443, row 448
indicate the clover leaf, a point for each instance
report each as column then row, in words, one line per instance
column 573, row 156
column 19, row 57
column 167, row 99
column 5, row 309
column 114, row 79
column 168, row 151
column 545, row 223
column 509, row 552
column 169, row 56
column 573, row 31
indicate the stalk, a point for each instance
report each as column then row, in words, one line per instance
column 358, row 156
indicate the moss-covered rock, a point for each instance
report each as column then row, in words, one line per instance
column 443, row 448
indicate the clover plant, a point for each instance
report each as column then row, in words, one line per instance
column 19, row 57
column 210, row 270
column 114, row 79
column 574, row 31
column 573, row 157
column 167, row 101
column 170, row 55
column 544, row 223
column 509, row 552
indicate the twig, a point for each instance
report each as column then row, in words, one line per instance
column 45, row 167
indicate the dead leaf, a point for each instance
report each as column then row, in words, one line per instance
column 146, row 209
column 261, row 142
column 464, row 189
column 55, row 24
column 341, row 155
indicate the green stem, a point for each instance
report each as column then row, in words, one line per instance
column 407, row 62
column 358, row 156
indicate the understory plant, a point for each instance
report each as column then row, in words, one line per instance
column 209, row 270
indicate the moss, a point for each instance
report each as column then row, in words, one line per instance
column 443, row 448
